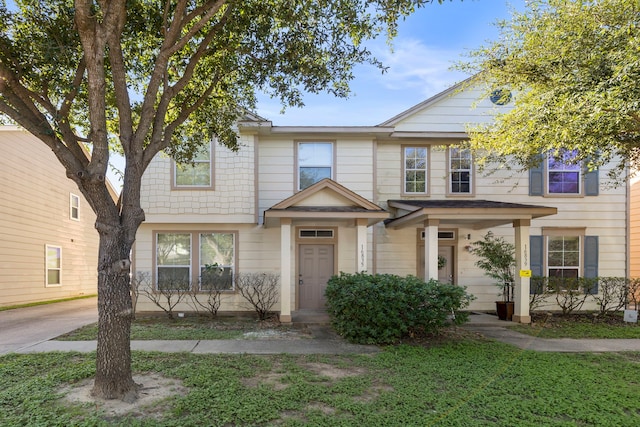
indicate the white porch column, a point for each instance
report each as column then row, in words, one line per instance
column 523, row 272
column 361, row 244
column 285, row 270
column 431, row 249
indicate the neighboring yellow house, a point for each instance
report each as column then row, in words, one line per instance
column 48, row 243
column 634, row 220
column 307, row 202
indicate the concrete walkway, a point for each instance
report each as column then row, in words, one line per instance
column 270, row 346
column 491, row 327
column 33, row 329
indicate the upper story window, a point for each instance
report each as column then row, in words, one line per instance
column 197, row 174
column 74, row 206
column 460, row 171
column 415, row 169
column 315, row 162
column 53, row 256
column 563, row 174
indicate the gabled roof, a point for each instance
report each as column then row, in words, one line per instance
column 427, row 103
column 477, row 214
column 327, row 199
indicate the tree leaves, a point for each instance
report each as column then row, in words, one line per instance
column 575, row 69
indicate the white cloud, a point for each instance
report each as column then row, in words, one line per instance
column 416, row 67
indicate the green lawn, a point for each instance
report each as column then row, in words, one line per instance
column 188, row 328
column 581, row 325
column 459, row 383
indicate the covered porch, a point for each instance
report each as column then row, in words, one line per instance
column 431, row 215
column 321, row 227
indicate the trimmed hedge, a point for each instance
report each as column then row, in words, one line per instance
column 384, row 308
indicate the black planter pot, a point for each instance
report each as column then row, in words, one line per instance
column 505, row 310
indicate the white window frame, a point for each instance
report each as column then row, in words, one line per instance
column 175, row 172
column 300, row 165
column 548, row 251
column 563, row 169
column 74, row 207
column 453, row 170
column 230, row 266
column 157, row 261
column 47, row 268
column 406, row 169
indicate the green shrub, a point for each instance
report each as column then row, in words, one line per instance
column 383, row 308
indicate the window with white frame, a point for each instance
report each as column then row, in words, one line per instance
column 186, row 258
column 460, row 171
column 415, row 169
column 173, row 261
column 563, row 257
column 195, row 174
column 217, row 256
column 563, row 173
column 315, row 162
column 53, row 261
column 74, row 206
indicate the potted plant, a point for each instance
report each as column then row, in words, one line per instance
column 497, row 259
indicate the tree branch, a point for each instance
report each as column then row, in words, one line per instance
column 208, row 11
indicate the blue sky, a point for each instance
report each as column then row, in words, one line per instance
column 427, row 45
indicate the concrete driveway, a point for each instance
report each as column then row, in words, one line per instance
column 24, row 327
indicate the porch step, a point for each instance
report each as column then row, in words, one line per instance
column 310, row 317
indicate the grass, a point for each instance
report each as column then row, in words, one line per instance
column 34, row 304
column 583, row 325
column 460, row 383
column 187, row 328
column 202, row 328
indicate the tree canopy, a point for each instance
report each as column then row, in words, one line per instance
column 574, row 70
column 144, row 76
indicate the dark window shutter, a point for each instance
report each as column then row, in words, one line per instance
column 536, row 244
column 536, row 179
column 591, row 183
column 591, row 260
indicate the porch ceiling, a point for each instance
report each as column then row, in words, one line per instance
column 474, row 214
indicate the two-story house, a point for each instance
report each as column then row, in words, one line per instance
column 48, row 242
column 309, row 202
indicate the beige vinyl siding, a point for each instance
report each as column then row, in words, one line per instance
column 232, row 197
column 258, row 251
column 604, row 216
column 634, row 224
column 354, row 168
column 452, row 113
column 34, row 212
column 276, row 166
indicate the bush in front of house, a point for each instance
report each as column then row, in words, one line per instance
column 384, row 308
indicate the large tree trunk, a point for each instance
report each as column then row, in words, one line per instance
column 115, row 312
